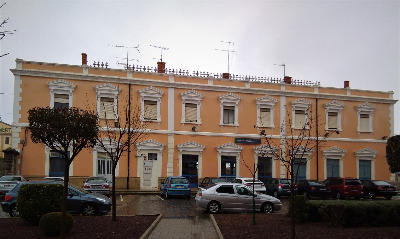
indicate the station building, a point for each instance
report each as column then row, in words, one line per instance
column 203, row 124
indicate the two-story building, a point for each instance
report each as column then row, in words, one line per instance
column 205, row 124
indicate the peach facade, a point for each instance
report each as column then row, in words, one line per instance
column 203, row 144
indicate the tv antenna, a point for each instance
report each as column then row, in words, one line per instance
column 227, row 50
column 161, row 48
column 127, row 54
column 284, row 69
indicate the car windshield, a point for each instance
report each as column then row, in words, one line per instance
column 381, row 183
column 96, row 180
column 179, row 181
column 353, row 182
column 315, row 183
column 10, row 178
column 285, row 181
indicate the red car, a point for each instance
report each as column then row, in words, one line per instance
column 345, row 187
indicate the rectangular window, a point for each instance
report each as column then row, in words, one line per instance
column 107, row 108
column 300, row 167
column 332, row 168
column 300, row 119
column 152, row 156
column 265, row 117
column 103, row 164
column 150, row 110
column 228, row 167
column 7, row 140
column 56, row 164
column 190, row 112
column 61, row 101
column 264, row 168
column 229, row 115
column 365, row 169
column 364, row 123
column 333, row 120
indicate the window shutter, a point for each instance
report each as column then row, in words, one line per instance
column 61, row 98
column 300, row 119
column 364, row 123
column 107, row 108
column 150, row 110
column 333, row 122
column 265, row 116
column 190, row 113
column 229, row 115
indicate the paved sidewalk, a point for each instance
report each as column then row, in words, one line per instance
column 184, row 228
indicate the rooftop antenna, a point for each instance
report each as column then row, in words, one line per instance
column 127, row 54
column 161, row 48
column 227, row 50
column 284, row 69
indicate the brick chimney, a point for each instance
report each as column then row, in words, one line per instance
column 160, row 67
column 225, row 75
column 287, row 80
column 346, row 84
column 84, row 59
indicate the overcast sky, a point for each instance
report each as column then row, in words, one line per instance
column 322, row 40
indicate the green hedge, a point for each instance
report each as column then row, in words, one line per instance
column 50, row 223
column 349, row 213
column 35, row 200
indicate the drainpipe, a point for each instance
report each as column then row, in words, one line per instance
column 316, row 131
column 129, row 134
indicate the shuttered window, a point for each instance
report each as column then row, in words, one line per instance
column 300, row 119
column 190, row 112
column 265, row 117
column 364, row 123
column 229, row 115
column 333, row 120
column 150, row 110
column 107, row 108
column 61, row 101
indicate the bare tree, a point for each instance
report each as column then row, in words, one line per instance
column 118, row 135
column 3, row 33
column 295, row 146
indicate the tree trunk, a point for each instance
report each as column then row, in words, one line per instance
column 63, row 231
column 113, row 199
column 292, row 218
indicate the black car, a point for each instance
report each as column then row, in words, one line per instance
column 374, row 188
column 207, row 181
column 79, row 201
column 278, row 187
column 313, row 188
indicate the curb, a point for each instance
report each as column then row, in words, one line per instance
column 220, row 236
column 149, row 230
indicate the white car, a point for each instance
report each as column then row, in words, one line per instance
column 235, row 196
column 258, row 185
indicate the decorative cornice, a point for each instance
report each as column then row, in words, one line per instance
column 366, row 152
column 61, row 84
column 151, row 91
column 107, row 89
column 266, row 149
column 301, row 102
column 335, row 104
column 365, row 107
column 192, row 94
column 150, row 145
column 229, row 97
column 229, row 148
column 266, row 100
column 334, row 151
column 191, row 146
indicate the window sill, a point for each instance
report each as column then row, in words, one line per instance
column 231, row 125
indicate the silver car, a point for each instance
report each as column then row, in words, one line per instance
column 97, row 185
column 235, row 196
column 258, row 185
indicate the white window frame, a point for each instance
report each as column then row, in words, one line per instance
column 110, row 145
column 304, row 153
column 265, row 150
column 151, row 94
column 191, row 97
column 266, row 102
column 229, row 100
column 300, row 104
column 333, row 153
column 366, row 154
column 107, row 90
column 229, row 149
column 335, row 107
column 192, row 148
column 368, row 109
column 61, row 87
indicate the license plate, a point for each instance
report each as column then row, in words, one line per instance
column 322, row 189
column 96, row 186
column 179, row 186
column 389, row 188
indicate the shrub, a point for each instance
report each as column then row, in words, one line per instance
column 35, row 200
column 300, row 208
column 50, row 223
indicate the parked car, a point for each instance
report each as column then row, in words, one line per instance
column 258, row 185
column 313, row 188
column 8, row 182
column 79, row 201
column 278, row 187
column 175, row 186
column 235, row 196
column 207, row 181
column 374, row 188
column 97, row 185
column 345, row 187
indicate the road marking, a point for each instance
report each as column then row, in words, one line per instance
column 121, row 198
column 160, row 197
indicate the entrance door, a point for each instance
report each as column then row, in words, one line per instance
column 104, row 166
column 264, row 168
column 56, row 164
column 190, row 166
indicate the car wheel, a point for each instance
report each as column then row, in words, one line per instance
column 89, row 210
column 213, row 207
column 14, row 212
column 275, row 194
column 371, row 195
column 267, row 207
column 338, row 195
column 388, row 197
